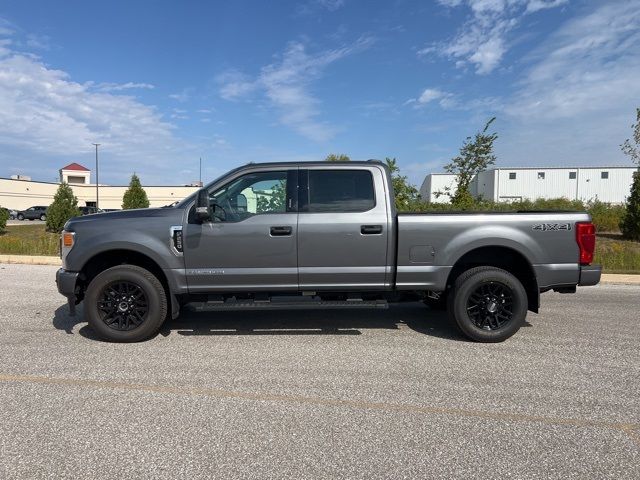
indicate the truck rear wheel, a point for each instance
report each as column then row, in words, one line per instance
column 487, row 304
column 125, row 303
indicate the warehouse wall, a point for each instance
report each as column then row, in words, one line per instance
column 588, row 184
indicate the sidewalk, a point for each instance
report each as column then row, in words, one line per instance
column 607, row 278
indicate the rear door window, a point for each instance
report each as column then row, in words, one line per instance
column 340, row 191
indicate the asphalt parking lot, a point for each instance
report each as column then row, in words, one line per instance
column 312, row 394
column 25, row 222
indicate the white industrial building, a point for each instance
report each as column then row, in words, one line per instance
column 606, row 184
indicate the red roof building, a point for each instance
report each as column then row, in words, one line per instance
column 74, row 173
column 75, row 166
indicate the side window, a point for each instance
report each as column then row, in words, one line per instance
column 340, row 191
column 250, row 194
column 512, row 175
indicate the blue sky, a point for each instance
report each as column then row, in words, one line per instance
column 161, row 83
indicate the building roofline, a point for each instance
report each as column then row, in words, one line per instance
column 76, row 167
column 597, row 167
column 93, row 185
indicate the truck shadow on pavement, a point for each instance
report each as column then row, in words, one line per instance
column 412, row 316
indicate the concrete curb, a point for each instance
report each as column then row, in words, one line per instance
column 30, row 259
column 620, row 279
column 607, row 278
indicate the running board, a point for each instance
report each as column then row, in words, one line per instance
column 278, row 304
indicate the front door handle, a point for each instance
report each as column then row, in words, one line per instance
column 371, row 229
column 280, row 231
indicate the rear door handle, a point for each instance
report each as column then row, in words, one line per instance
column 280, row 231
column 371, row 229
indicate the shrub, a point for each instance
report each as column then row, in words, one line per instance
column 64, row 206
column 630, row 224
column 135, row 196
column 605, row 216
column 4, row 216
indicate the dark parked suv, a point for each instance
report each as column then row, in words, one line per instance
column 33, row 213
column 90, row 210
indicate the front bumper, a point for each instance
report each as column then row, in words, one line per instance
column 66, row 282
column 590, row 275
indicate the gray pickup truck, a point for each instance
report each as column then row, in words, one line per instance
column 323, row 235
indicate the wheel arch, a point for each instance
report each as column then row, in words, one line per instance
column 111, row 258
column 505, row 258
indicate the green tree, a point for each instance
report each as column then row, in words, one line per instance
column 476, row 154
column 631, row 147
column 630, row 224
column 135, row 196
column 407, row 197
column 275, row 201
column 4, row 216
column 341, row 157
column 64, row 206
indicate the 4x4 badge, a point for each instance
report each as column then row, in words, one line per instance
column 545, row 227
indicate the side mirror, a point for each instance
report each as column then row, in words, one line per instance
column 203, row 212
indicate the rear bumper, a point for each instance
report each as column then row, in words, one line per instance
column 590, row 275
column 66, row 282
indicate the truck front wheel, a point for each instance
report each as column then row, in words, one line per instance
column 125, row 303
column 487, row 304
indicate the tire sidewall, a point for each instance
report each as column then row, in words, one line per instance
column 458, row 306
column 155, row 299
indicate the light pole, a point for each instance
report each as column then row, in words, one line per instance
column 97, row 177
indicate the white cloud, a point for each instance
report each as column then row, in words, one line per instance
column 578, row 98
column 39, row 42
column 235, row 85
column 286, row 84
column 429, row 95
column 312, row 6
column 118, row 87
column 46, row 115
column 483, row 39
column 182, row 96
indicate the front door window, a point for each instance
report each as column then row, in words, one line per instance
column 249, row 195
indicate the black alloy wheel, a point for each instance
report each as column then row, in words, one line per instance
column 490, row 306
column 123, row 305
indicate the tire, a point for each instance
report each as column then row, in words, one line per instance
column 487, row 304
column 11, row 217
column 20, row 217
column 43, row 217
column 105, row 301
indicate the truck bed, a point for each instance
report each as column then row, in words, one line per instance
column 429, row 244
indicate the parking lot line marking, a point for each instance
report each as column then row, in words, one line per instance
column 632, row 432
column 630, row 429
